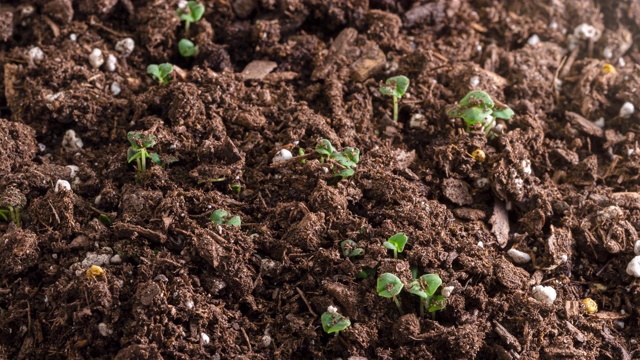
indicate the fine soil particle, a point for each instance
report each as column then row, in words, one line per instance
column 559, row 181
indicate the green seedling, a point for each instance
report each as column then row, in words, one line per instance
column 236, row 188
column 187, row 48
column 350, row 249
column 160, row 72
column 347, row 160
column 395, row 87
column 103, row 218
column 221, row 217
column 301, row 153
column 191, row 13
column 425, row 287
column 140, row 143
column 389, row 286
column 477, row 107
column 396, row 243
column 12, row 201
column 334, row 322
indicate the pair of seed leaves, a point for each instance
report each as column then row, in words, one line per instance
column 425, row 287
column 477, row 106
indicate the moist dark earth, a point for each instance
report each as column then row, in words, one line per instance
column 559, row 181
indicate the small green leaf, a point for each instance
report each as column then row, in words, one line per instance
column 334, row 322
column 133, row 154
column 4, row 215
column 234, row 221
column 345, row 173
column 352, row 154
column 154, row 70
column 350, row 248
column 344, row 161
column 389, row 246
column 389, row 285
column 475, row 115
column 218, row 216
column 187, row 48
column 103, row 218
column 389, row 91
column 196, row 9
column 415, row 288
column 325, row 148
column 438, row 302
column 503, row 113
column 156, row 159
column 165, row 69
column 476, row 98
column 399, row 83
column 430, row 283
column 398, row 240
column 134, row 138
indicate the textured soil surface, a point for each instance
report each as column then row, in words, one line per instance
column 560, row 180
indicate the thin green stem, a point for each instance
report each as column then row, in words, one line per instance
column 395, row 108
column 395, row 300
column 15, row 215
column 395, row 253
column 144, row 160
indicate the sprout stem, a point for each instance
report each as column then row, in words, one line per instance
column 395, row 300
column 15, row 215
column 395, row 108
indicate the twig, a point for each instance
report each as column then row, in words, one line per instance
column 304, row 298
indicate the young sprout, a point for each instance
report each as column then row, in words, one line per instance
column 187, row 48
column 350, row 249
column 219, row 217
column 334, row 322
column 347, row 160
column 104, row 219
column 477, row 107
column 11, row 202
column 191, row 13
column 396, row 87
column 425, row 287
column 396, row 243
column 160, row 72
column 140, row 143
column 389, row 286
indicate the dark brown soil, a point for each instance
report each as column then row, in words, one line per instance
column 175, row 286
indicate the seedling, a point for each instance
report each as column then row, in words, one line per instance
column 160, row 72
column 187, row 48
column 389, row 286
column 396, row 87
column 191, row 13
column 221, row 217
column 350, row 249
column 140, row 143
column 347, row 160
column 477, row 107
column 11, row 202
column 334, row 322
column 425, row 287
column 396, row 243
column 106, row 220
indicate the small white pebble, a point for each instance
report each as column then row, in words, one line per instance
column 416, row 121
column 55, row 256
column 545, row 294
column 446, row 291
column 125, row 46
column 518, row 256
column 474, row 81
column 282, row 155
column 482, row 183
column 204, row 338
column 104, row 329
column 115, row 88
column 636, row 247
column 621, row 62
column 182, row 4
column 115, row 259
column 627, row 110
column 74, row 170
column 607, row 53
column 111, row 63
column 630, row 152
column 633, row 268
column 526, row 166
column 332, row 309
column 53, row 97
column 189, row 304
column 265, row 341
column 62, row 184
column 622, row 312
column 71, row 142
column 73, row 37
column 564, row 258
column 533, row 40
column 599, row 123
column 36, row 54
column 585, row 32
column 480, row 244
column 553, row 25
column 97, row 200
column 96, row 59
column 42, row 147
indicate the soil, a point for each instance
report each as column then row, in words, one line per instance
column 273, row 75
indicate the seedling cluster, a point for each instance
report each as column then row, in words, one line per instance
column 140, row 143
column 11, row 202
column 221, row 217
column 346, row 160
column 425, row 287
column 191, row 13
column 396, row 243
column 395, row 87
column 160, row 72
column 477, row 107
column 350, row 249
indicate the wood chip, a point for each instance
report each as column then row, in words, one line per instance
column 510, row 340
column 125, row 230
column 258, row 69
column 500, row 223
column 584, row 125
column 630, row 200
